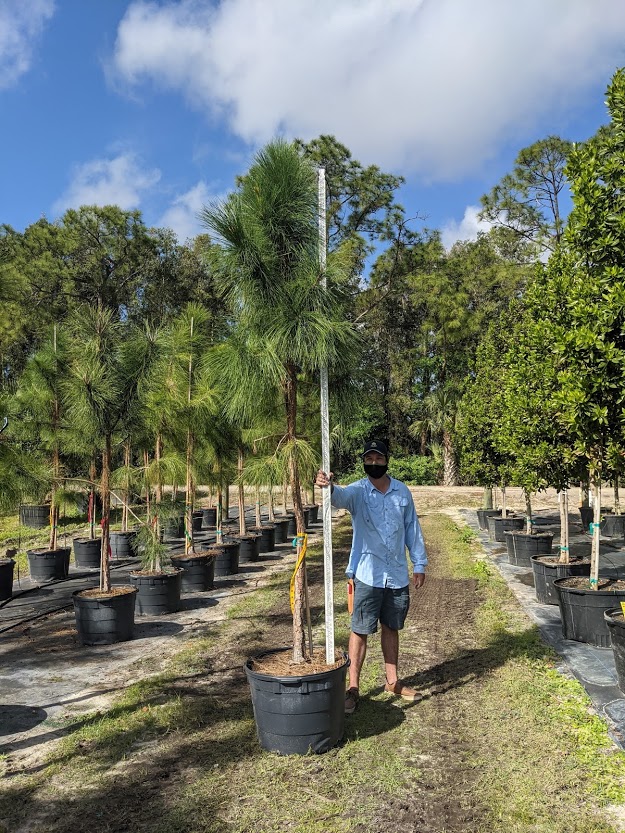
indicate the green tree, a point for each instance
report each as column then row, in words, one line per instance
column 287, row 324
column 525, row 205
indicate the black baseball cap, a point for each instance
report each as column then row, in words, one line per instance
column 375, row 445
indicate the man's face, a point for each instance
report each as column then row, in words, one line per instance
column 374, row 458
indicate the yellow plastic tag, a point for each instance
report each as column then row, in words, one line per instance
column 623, row 607
column 302, row 555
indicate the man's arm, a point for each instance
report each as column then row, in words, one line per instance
column 415, row 543
column 342, row 496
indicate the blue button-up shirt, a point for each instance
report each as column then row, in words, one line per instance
column 385, row 525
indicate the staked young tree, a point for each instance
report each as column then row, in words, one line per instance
column 286, row 322
column 590, row 347
column 106, row 362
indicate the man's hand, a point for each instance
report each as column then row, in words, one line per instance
column 419, row 580
column 322, row 480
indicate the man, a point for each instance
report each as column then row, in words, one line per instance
column 385, row 524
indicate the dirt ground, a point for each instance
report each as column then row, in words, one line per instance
column 46, row 679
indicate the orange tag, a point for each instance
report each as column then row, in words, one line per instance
column 350, row 596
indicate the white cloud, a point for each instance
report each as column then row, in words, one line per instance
column 182, row 215
column 120, row 180
column 466, row 229
column 432, row 86
column 21, row 23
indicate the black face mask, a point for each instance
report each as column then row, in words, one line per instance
column 375, row 471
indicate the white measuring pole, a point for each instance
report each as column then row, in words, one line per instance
column 325, row 444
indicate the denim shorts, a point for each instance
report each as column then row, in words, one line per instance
column 385, row 604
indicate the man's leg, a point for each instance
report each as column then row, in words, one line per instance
column 357, row 652
column 390, row 650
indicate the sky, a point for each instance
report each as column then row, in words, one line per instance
column 159, row 105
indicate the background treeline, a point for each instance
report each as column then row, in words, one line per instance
column 420, row 311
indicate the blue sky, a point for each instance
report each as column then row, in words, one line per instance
column 158, row 105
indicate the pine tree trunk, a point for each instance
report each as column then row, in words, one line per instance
column 188, row 514
column 158, row 489
column 487, row 498
column 105, row 494
column 54, row 509
column 299, row 651
column 285, row 493
column 617, row 502
column 146, row 464
column 259, row 521
column 270, row 506
column 92, row 477
column 218, row 532
column 126, row 487
column 242, row 524
column 503, row 502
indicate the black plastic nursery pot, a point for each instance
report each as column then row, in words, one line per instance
column 209, row 517
column 104, row 619
column 291, row 530
column 267, row 534
column 87, row 552
column 613, row 526
column 249, row 547
column 123, row 544
column 37, row 516
column 313, row 512
column 157, row 593
column 298, row 715
column 6, row 578
column 484, row 514
column 586, row 514
column 497, row 526
column 582, row 609
column 173, row 529
column 521, row 546
column 282, row 529
column 547, row 569
column 615, row 622
column 45, row 565
column 197, row 520
column 227, row 561
column 198, row 571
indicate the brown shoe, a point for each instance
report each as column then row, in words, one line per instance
column 400, row 689
column 351, row 700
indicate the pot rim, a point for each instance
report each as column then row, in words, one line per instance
column 293, row 680
column 128, row 590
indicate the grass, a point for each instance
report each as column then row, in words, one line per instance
column 519, row 736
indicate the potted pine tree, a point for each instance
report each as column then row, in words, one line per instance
column 106, row 361
column 286, row 325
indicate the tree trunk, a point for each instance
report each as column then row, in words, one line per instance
column 285, row 493
column 158, row 489
column 503, row 502
column 617, row 502
column 126, row 486
column 529, row 528
column 105, row 494
column 270, row 506
column 487, row 498
column 450, row 467
column 242, row 524
column 146, row 464
column 595, row 477
column 91, row 511
column 299, row 652
column 188, row 506
column 218, row 533
column 54, row 509
column 259, row 521
column 563, row 500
